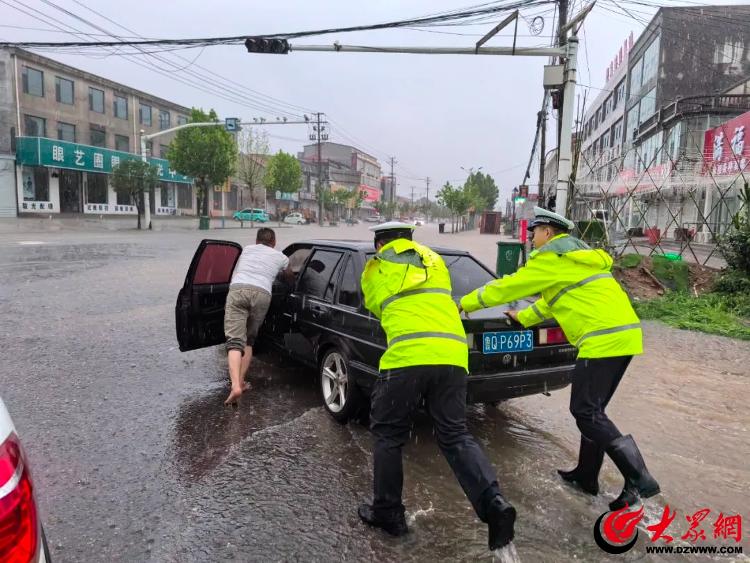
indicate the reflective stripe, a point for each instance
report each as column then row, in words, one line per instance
column 536, row 310
column 393, row 298
column 607, row 331
column 577, row 285
column 479, row 297
column 415, row 335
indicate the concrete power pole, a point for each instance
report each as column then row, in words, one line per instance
column 321, row 190
column 562, row 39
column 393, row 188
column 427, row 213
column 542, row 154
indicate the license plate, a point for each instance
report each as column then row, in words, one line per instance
column 511, row 341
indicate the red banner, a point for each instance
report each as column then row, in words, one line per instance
column 373, row 194
column 725, row 151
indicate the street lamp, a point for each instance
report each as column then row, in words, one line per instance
column 513, row 218
column 470, row 170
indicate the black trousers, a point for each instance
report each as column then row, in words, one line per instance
column 396, row 396
column 594, row 383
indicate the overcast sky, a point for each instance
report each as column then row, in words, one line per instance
column 434, row 114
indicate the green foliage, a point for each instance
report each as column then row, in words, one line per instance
column 713, row 313
column 591, row 231
column 283, row 173
column 674, row 275
column 386, row 208
column 735, row 245
column 733, row 281
column 481, row 191
column 629, row 261
column 208, row 154
column 253, row 146
column 134, row 178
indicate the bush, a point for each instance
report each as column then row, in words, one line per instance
column 735, row 245
column 630, row 261
column 673, row 274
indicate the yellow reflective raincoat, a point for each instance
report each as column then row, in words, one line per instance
column 408, row 287
column 577, row 290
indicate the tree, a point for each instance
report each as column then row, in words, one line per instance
column 251, row 163
column 283, row 173
column 208, row 154
column 134, row 178
column 482, row 190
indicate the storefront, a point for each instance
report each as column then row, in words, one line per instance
column 62, row 177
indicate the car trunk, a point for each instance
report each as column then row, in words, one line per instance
column 550, row 348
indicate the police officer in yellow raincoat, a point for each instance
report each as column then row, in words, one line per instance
column 408, row 287
column 578, row 290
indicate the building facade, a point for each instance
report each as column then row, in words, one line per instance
column 686, row 74
column 63, row 130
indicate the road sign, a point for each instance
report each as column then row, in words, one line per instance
column 232, row 124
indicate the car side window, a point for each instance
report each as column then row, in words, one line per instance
column 318, row 274
column 349, row 293
column 297, row 259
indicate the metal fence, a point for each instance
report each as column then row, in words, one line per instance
column 667, row 195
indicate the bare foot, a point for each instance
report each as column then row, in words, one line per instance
column 236, row 393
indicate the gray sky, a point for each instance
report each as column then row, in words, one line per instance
column 435, row 114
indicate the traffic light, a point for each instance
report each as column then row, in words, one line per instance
column 269, row 45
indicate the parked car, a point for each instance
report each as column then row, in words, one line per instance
column 295, row 219
column 321, row 321
column 258, row 215
column 21, row 534
column 373, row 218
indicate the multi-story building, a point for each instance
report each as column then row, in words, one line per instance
column 686, row 73
column 62, row 130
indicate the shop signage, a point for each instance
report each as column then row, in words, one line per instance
column 725, row 150
column 40, row 151
column 110, row 209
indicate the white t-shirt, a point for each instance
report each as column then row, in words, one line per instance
column 259, row 265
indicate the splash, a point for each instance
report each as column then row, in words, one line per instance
column 507, row 554
column 420, row 512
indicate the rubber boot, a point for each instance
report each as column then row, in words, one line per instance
column 392, row 522
column 638, row 481
column 501, row 517
column 586, row 475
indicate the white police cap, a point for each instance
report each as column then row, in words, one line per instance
column 391, row 226
column 547, row 217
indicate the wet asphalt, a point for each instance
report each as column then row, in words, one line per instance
column 135, row 458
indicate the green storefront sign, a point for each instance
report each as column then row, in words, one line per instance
column 40, row 151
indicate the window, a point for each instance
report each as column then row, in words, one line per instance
column 349, row 293
column 33, row 81
column 150, row 148
column 617, row 134
column 96, row 188
column 620, row 93
column 632, row 124
column 167, row 194
column 185, row 196
column 316, row 278
column 466, row 274
column 98, row 136
column 181, row 120
column 650, row 62
column 297, row 258
column 145, row 115
column 96, row 100
column 163, row 152
column 122, row 143
column 647, row 105
column 64, row 91
column 636, row 73
column 34, row 126
column 66, row 132
column 120, row 107
column 124, row 198
column 164, row 119
column 35, row 183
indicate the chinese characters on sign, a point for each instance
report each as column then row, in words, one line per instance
column 726, row 152
column 723, row 527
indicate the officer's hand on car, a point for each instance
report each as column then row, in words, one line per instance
column 512, row 314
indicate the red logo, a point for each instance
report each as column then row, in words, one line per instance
column 616, row 532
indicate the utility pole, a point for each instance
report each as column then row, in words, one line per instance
column 427, row 212
column 542, row 152
column 412, row 196
column 393, row 189
column 562, row 39
column 320, row 135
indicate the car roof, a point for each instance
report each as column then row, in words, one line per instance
column 367, row 246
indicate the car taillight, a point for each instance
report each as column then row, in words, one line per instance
column 19, row 526
column 549, row 336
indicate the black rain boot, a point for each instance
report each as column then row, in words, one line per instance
column 500, row 519
column 586, row 475
column 638, row 481
column 393, row 522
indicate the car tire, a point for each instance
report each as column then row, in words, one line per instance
column 341, row 396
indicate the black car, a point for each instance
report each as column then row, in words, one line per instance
column 321, row 321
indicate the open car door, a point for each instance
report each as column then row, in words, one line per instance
column 199, row 313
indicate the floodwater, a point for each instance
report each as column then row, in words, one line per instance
column 136, row 459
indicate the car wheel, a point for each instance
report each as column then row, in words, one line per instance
column 341, row 396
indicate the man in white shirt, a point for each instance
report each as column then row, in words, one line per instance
column 247, row 304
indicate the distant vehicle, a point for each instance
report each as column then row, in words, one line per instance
column 21, row 534
column 295, row 219
column 352, row 221
column 373, row 219
column 320, row 320
column 258, row 215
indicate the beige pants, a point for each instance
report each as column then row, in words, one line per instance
column 244, row 312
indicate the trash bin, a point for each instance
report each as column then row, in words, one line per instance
column 441, row 228
column 508, row 254
column 204, row 223
column 654, row 235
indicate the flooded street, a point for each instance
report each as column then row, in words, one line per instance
column 136, row 459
